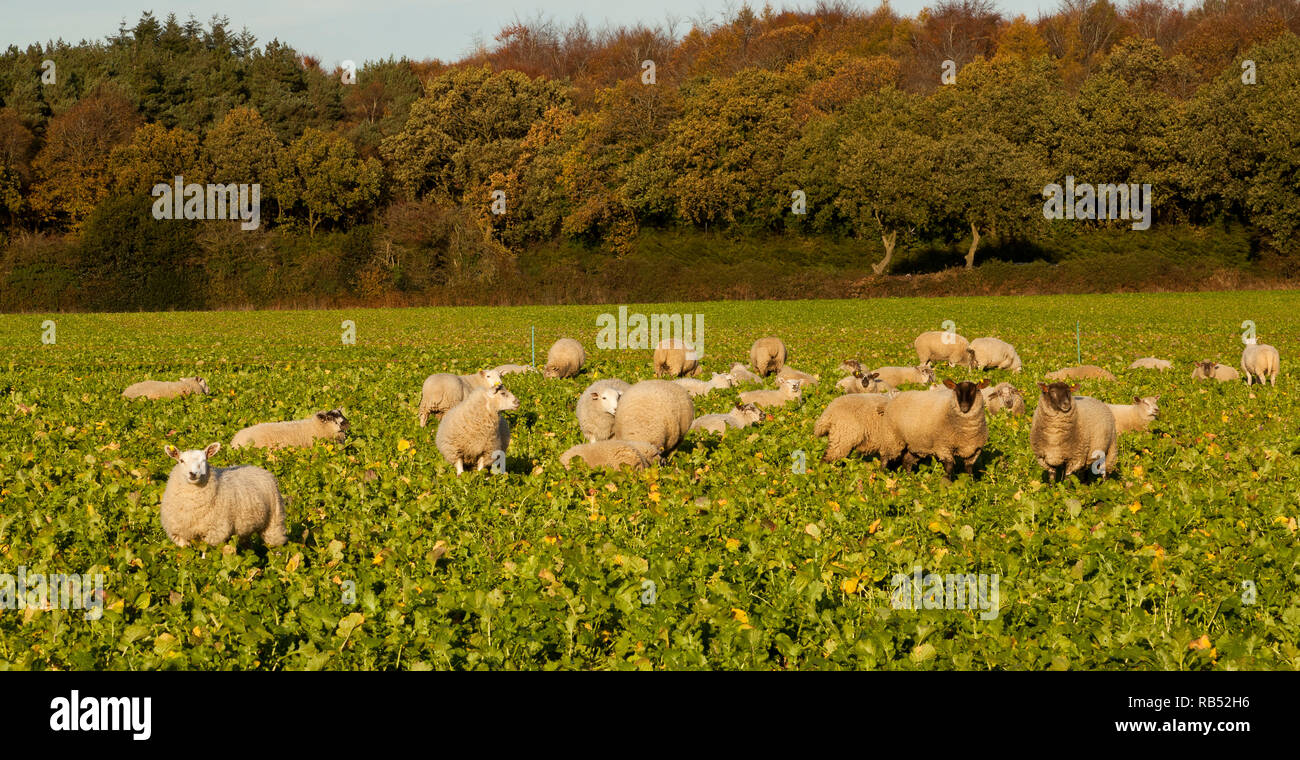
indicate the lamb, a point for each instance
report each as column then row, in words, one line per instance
column 656, row 412
column 1084, row 372
column 564, row 359
column 1260, row 362
column 474, row 432
column 1150, row 362
column 442, row 391
column 741, row 374
column 858, row 383
column 1214, row 371
column 160, row 389
column 613, row 454
column 1004, row 396
column 787, row 391
column 946, row 424
column 741, row 416
column 1135, row 416
column 330, row 425
column 767, row 355
column 675, row 358
column 514, row 369
column 1069, row 434
column 211, row 504
column 596, row 407
column 856, row 423
column 791, row 373
column 702, row 387
column 991, row 353
column 935, row 346
column 896, row 376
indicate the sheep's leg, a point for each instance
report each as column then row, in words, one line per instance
column 909, row 461
column 424, row 417
column 970, row 463
column 179, row 541
column 949, row 465
column 460, row 467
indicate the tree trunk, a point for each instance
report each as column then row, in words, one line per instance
column 889, row 239
column 974, row 244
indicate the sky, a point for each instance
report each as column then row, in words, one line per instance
column 360, row 30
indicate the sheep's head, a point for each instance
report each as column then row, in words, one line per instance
column 607, row 399
column 748, row 412
column 724, row 380
column 1150, row 406
column 853, row 365
column 1008, row 393
column 967, row 393
column 335, row 420
column 195, row 461
column 550, row 370
column 200, row 382
column 1058, row 396
column 970, row 359
column 791, row 386
column 491, row 378
column 927, row 373
column 502, row 400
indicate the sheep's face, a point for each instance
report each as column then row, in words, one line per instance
column 502, row 400
column 1008, row 394
column 723, row 380
column 550, row 371
column 927, row 373
column 791, row 386
column 750, row 413
column 491, row 377
column 194, row 461
column 1058, row 396
column 203, row 384
column 337, row 423
column 1149, row 406
column 607, row 399
column 967, row 393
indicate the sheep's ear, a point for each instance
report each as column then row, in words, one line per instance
column 949, row 384
column 172, row 452
column 1155, row 398
column 1137, row 399
column 1042, row 387
column 212, row 449
column 595, row 395
column 873, row 376
column 983, row 383
column 323, row 416
column 1074, row 387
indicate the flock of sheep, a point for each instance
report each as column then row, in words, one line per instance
column 634, row 425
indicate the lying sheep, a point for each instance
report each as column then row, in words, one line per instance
column 695, row 387
column 767, row 355
column 857, row 423
column 1136, row 416
column 859, row 383
column 159, row 389
column 514, row 369
column 896, row 376
column 564, row 359
column 787, row 391
column 656, row 412
column 675, row 359
column 790, row 373
column 474, row 432
column 991, row 353
column 946, row 424
column 211, row 504
column 1150, row 362
column 741, row 416
column 613, row 454
column 1084, row 372
column 442, row 391
column 596, row 407
column 741, row 374
column 330, row 426
column 1260, row 362
column 1004, row 396
column 849, row 366
column 1070, row 434
column 936, row 345
column 1214, row 371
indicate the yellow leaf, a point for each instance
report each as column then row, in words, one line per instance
column 732, row 544
column 739, row 615
column 849, row 585
column 1135, row 506
column 1201, row 643
column 294, row 561
column 403, row 444
column 873, row 527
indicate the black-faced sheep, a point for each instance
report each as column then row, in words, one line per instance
column 947, row 424
column 1072, row 434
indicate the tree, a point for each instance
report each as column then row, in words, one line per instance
column 319, row 178
column 990, row 185
column 16, row 143
column 72, row 168
column 155, row 154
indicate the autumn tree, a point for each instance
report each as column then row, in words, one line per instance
column 155, row 154
column 319, row 178
column 71, row 169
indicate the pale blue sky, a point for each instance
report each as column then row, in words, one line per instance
column 360, row 30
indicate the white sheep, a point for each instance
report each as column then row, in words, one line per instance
column 1214, row 371
column 596, row 407
column 1072, row 434
column 329, row 425
column 564, row 359
column 1136, row 416
column 674, row 358
column 856, row 423
column 473, row 431
column 860, row 383
column 656, row 412
column 160, row 389
column 991, row 353
column 1004, row 396
column 767, row 355
column 1260, row 362
column 896, row 376
column 1151, row 362
column 786, row 391
column 719, row 381
column 740, row 416
column 790, row 373
column 741, row 374
column 514, row 369
column 211, row 504
column 613, row 454
column 1083, row 372
column 937, row 345
column 947, row 424
column 442, row 391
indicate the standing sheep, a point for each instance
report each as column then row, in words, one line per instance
column 596, row 408
column 859, row 383
column 1214, row 371
column 1260, row 362
column 1135, row 416
column 613, row 454
column 675, row 359
column 211, row 504
column 937, row 345
column 656, row 412
column 741, row 374
column 741, row 416
column 946, row 424
column 695, row 387
column 160, row 389
column 330, row 426
column 767, row 355
column 1151, row 362
column 856, row 423
column 442, row 391
column 787, row 391
column 474, row 432
column 1071, row 434
column 1004, row 396
column 991, row 353
column 790, row 373
column 564, row 359
column 896, row 376
column 1084, row 372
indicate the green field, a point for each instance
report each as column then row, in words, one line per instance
column 753, row 564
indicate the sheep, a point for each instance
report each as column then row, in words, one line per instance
column 656, row 412
column 160, row 389
column 849, row 366
column 442, row 391
column 742, row 415
column 1004, row 396
column 790, row 373
column 1209, row 370
column 767, row 355
column 946, row 424
column 675, row 358
column 858, row 383
column 787, row 391
column 1260, row 362
column 211, row 504
column 896, row 376
column 596, row 407
column 473, row 432
column 514, row 369
column 1135, row 416
column 613, row 454
column 330, row 425
column 1084, row 372
column 564, row 359
column 741, row 374
column 856, row 423
column 702, row 387
column 1150, row 362
column 944, row 346
column 1070, row 434
column 991, row 353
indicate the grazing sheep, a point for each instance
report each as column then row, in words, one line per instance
column 675, row 359
column 613, row 454
column 856, row 423
column 859, row 383
column 596, row 407
column 1214, row 371
column 1135, row 416
column 514, row 369
column 742, row 415
column 1150, row 362
column 787, row 391
column 211, row 504
column 946, row 424
column 991, row 353
column 330, row 426
column 656, row 412
column 741, row 374
column 896, row 376
column 159, row 389
column 1084, row 372
column 1069, row 433
column 767, row 355
column 442, row 391
column 790, row 373
column 701, row 387
column 1004, row 396
column 474, row 430
column 564, row 359
column 1260, row 362
column 937, row 345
